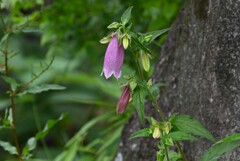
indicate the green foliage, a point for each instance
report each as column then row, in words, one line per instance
column 189, row 125
column 173, row 156
column 137, row 42
column 225, row 145
column 138, row 101
column 38, row 30
column 126, row 15
column 8, row 147
column 146, row 132
column 96, row 149
column 32, row 142
column 179, row 136
column 155, row 34
column 13, row 83
column 43, row 88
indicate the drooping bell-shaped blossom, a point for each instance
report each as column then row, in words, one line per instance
column 124, row 100
column 113, row 59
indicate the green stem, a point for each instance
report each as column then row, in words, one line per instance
column 181, row 151
column 156, row 106
column 140, row 73
column 166, row 150
column 149, row 93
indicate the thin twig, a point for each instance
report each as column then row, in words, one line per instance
column 14, row 128
column 34, row 78
column 5, row 52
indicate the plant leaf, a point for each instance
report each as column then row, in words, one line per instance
column 187, row 124
column 31, row 30
column 8, row 147
column 213, row 153
column 79, row 136
column 126, row 15
column 156, row 33
column 141, row 133
column 178, row 136
column 230, row 138
column 32, row 142
column 43, row 88
column 136, row 41
column 139, row 100
column 14, row 84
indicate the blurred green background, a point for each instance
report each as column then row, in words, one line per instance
column 70, row 31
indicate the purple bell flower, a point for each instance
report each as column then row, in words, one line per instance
column 113, row 59
column 124, row 100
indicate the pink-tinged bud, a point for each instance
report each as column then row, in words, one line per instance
column 123, row 100
column 113, row 59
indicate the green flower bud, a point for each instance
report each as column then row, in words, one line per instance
column 145, row 61
column 156, row 133
column 167, row 127
column 148, row 38
column 133, row 85
column 125, row 42
column 149, row 83
column 154, row 122
column 105, row 40
column 113, row 25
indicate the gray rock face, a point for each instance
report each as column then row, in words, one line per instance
column 200, row 62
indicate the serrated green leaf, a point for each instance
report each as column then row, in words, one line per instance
column 141, row 133
column 156, row 33
column 126, row 15
column 8, row 147
column 178, row 136
column 139, row 100
column 43, row 88
column 213, row 153
column 187, row 124
column 14, row 84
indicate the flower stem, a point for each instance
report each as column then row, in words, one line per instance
column 181, row 151
column 157, row 107
column 149, row 93
column 166, row 150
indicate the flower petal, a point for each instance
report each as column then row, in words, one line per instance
column 113, row 59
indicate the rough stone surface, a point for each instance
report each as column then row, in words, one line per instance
column 200, row 62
